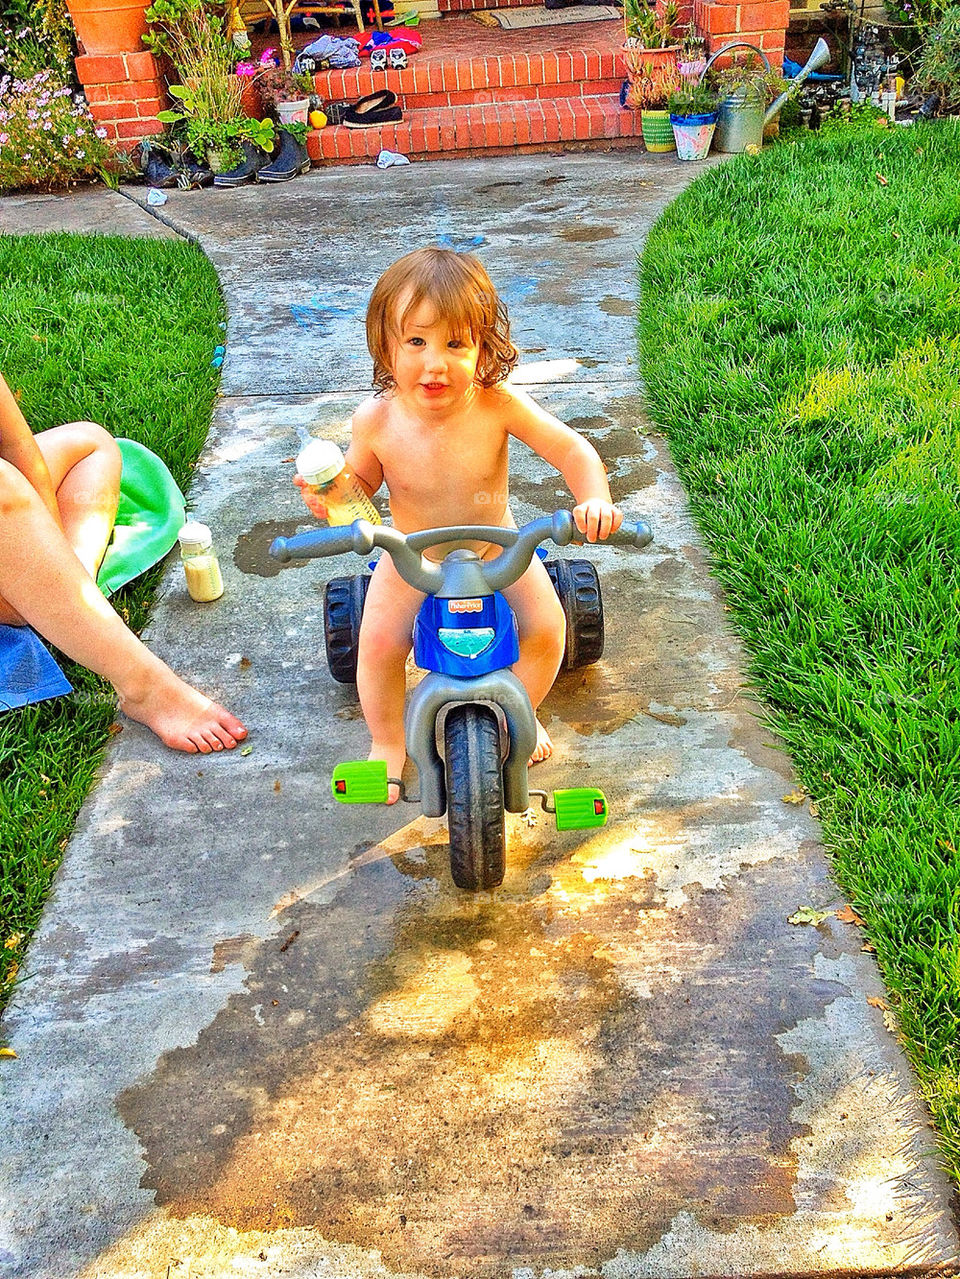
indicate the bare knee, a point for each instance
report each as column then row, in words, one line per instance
column 381, row 646
column 93, row 438
column 545, row 633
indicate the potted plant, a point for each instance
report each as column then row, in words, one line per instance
column 649, row 95
column 650, row 48
column 285, row 93
column 218, row 136
column 693, row 117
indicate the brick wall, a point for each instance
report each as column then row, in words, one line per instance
column 761, row 22
column 125, row 92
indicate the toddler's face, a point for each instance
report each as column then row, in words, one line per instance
column 432, row 364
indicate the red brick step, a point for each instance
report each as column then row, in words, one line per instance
column 430, row 133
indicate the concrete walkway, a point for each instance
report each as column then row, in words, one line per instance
column 266, row 1037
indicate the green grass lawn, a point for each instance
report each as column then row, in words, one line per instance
column 799, row 337
column 120, row 332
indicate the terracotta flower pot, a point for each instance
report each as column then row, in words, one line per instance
column 250, row 97
column 109, row 26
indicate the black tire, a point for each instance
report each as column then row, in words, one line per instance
column 578, row 588
column 343, row 602
column 474, row 798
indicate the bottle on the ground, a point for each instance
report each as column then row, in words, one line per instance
column 323, row 467
column 201, row 567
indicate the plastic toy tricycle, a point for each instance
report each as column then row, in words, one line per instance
column 469, row 725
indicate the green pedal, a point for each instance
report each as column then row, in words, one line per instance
column 360, row 781
column 580, row 808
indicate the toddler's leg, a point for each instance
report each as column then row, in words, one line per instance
column 386, row 634
column 84, row 464
column 542, row 626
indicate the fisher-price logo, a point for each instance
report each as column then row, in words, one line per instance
column 466, row 606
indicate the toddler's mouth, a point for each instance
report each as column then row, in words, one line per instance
column 434, row 387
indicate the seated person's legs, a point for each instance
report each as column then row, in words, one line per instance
column 84, row 464
column 43, row 583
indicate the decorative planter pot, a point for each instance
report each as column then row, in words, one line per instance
column 654, row 71
column 657, row 131
column 109, row 26
column 250, row 97
column 293, row 112
column 693, row 134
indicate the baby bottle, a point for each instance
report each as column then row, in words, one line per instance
column 200, row 566
column 323, row 467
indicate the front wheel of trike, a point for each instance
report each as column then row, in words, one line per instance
column 474, row 798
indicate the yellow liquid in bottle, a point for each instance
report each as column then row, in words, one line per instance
column 204, row 581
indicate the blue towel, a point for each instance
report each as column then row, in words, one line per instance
column 27, row 671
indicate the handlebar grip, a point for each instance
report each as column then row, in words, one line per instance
column 638, row 535
column 357, row 536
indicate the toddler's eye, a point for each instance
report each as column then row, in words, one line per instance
column 455, row 343
column 415, row 341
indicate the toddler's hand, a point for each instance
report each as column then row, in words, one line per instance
column 596, row 519
column 315, row 503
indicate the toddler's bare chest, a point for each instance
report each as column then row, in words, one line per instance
column 439, row 469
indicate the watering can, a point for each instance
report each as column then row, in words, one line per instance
column 741, row 121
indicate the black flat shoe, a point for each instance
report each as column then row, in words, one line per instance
column 290, row 161
column 374, row 110
column 254, row 159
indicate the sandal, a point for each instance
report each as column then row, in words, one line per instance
column 397, row 59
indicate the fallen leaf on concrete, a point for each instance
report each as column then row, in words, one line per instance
column 849, row 916
column 868, row 945
column 7, row 1052
column 890, row 1021
column 247, row 750
column 810, row 915
column 796, row 796
column 876, row 1002
column 245, row 663
column 276, row 785
column 814, row 809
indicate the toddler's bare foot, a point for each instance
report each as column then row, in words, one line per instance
column 396, row 756
column 181, row 716
column 544, row 746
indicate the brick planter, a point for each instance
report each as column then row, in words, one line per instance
column 125, row 91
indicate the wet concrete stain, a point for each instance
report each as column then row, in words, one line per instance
column 496, row 186
column 251, row 554
column 546, row 1075
column 616, row 306
column 586, row 234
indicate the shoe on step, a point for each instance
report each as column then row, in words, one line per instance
column 254, row 159
column 373, row 111
column 290, row 160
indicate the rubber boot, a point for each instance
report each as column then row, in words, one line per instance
column 289, row 161
column 254, row 158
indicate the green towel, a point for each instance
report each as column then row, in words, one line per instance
column 149, row 517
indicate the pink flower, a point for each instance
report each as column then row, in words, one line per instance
column 101, row 133
column 246, row 68
column 4, row 139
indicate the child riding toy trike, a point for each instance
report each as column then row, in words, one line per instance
column 469, row 725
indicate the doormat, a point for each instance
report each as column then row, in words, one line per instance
column 513, row 19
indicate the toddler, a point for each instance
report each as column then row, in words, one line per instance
column 436, row 432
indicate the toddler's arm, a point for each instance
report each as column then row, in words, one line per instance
column 574, row 457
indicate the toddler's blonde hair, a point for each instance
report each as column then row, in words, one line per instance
column 463, row 296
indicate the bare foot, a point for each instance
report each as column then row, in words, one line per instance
column 181, row 716
column 544, row 746
column 396, row 756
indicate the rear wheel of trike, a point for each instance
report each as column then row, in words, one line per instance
column 474, row 798
column 343, row 602
column 578, row 587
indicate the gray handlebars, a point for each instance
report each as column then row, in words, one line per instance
column 407, row 549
